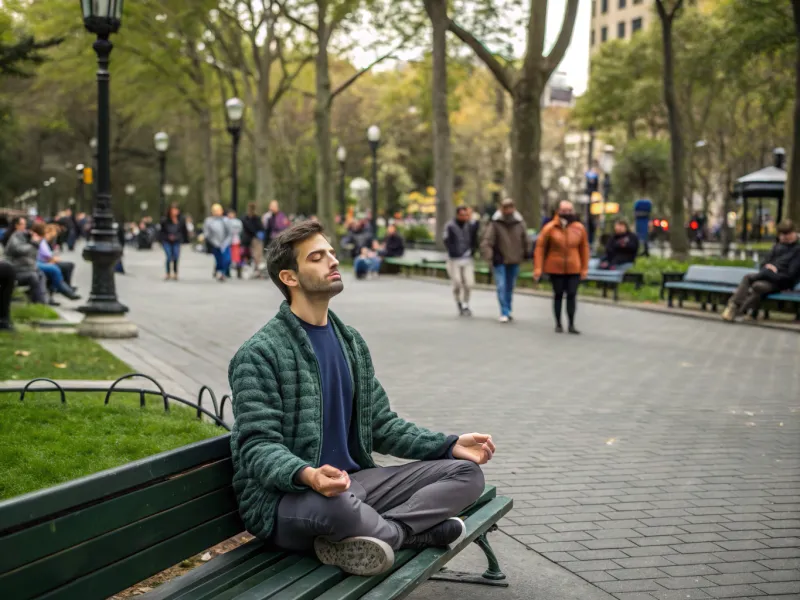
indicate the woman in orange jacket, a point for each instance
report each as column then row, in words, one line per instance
column 562, row 251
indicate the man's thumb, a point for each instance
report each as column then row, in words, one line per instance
column 330, row 471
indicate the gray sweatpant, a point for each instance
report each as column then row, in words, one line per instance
column 419, row 495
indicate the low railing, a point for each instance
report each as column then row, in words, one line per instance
column 217, row 416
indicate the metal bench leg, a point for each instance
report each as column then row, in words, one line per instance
column 491, row 576
column 669, row 299
column 680, row 299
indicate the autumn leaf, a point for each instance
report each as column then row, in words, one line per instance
column 22, row 353
column 60, row 365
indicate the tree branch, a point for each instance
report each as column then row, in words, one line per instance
column 500, row 72
column 295, row 20
column 354, row 77
column 565, row 35
column 287, row 79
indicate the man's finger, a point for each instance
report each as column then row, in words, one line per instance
column 480, row 437
column 491, row 445
column 330, row 471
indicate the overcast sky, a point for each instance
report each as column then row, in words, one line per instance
column 576, row 60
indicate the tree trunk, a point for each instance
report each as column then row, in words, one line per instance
column 526, row 140
column 679, row 241
column 265, row 184
column 322, row 118
column 792, row 193
column 211, row 175
column 442, row 149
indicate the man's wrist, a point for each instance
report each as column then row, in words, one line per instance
column 303, row 476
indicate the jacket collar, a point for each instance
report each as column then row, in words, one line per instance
column 498, row 216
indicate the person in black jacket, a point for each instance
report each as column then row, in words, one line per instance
column 460, row 239
column 622, row 247
column 173, row 233
column 393, row 245
column 779, row 271
column 253, row 235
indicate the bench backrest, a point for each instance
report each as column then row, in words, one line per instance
column 96, row 536
column 718, row 275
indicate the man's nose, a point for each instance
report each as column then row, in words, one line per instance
column 333, row 260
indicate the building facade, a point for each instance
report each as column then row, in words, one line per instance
column 618, row 19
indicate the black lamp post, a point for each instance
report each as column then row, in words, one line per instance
column 341, row 156
column 374, row 137
column 161, row 142
column 234, row 111
column 104, row 314
column 607, row 164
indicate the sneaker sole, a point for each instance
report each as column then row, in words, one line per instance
column 362, row 556
column 461, row 536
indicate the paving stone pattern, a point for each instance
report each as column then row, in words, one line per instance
column 656, row 457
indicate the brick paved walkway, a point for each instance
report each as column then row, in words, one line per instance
column 654, row 456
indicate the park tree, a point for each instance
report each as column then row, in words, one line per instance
column 525, row 83
column 642, row 171
column 667, row 11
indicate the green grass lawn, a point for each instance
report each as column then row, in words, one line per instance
column 30, row 354
column 43, row 443
column 27, row 312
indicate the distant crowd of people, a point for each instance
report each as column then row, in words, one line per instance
column 30, row 257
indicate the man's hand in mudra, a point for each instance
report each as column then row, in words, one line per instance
column 476, row 447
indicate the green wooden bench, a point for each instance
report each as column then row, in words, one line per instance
column 96, row 536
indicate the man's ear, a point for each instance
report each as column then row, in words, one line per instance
column 288, row 278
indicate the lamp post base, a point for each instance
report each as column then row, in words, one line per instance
column 105, row 326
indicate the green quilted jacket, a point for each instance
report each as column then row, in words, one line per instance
column 277, row 406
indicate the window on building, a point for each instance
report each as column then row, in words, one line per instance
column 637, row 1
column 603, row 34
column 592, row 38
column 623, row 3
column 594, row 7
column 636, row 25
column 604, row 6
column 621, row 30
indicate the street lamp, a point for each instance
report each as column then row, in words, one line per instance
column 374, row 138
column 234, row 111
column 183, row 191
column 143, row 206
column 607, row 164
column 341, row 156
column 104, row 314
column 161, row 142
column 130, row 190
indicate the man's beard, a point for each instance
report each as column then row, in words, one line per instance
column 319, row 288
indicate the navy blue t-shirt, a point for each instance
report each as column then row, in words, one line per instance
column 337, row 397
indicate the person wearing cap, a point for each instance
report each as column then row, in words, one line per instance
column 505, row 244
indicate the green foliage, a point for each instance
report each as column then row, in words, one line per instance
column 642, row 170
column 416, row 233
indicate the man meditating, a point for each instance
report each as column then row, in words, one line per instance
column 309, row 412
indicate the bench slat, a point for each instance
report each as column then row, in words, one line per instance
column 68, row 496
column 232, row 576
column 264, row 575
column 31, row 544
column 136, row 568
column 205, row 572
column 59, row 569
column 403, row 581
column 355, row 587
column 273, row 585
column 312, row 585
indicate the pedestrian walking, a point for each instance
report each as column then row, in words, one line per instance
column 253, row 238
column 505, row 245
column 459, row 238
column 236, row 227
column 562, row 252
column 218, row 236
column 275, row 221
column 173, row 233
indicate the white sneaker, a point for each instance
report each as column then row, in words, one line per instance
column 503, row 319
column 364, row 556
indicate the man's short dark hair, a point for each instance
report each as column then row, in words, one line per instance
column 786, row 226
column 282, row 252
column 461, row 207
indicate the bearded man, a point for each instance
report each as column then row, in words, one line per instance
column 309, row 412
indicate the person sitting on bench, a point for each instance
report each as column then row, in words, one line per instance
column 308, row 413
column 779, row 271
column 621, row 249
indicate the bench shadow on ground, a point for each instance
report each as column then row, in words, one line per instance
column 530, row 575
